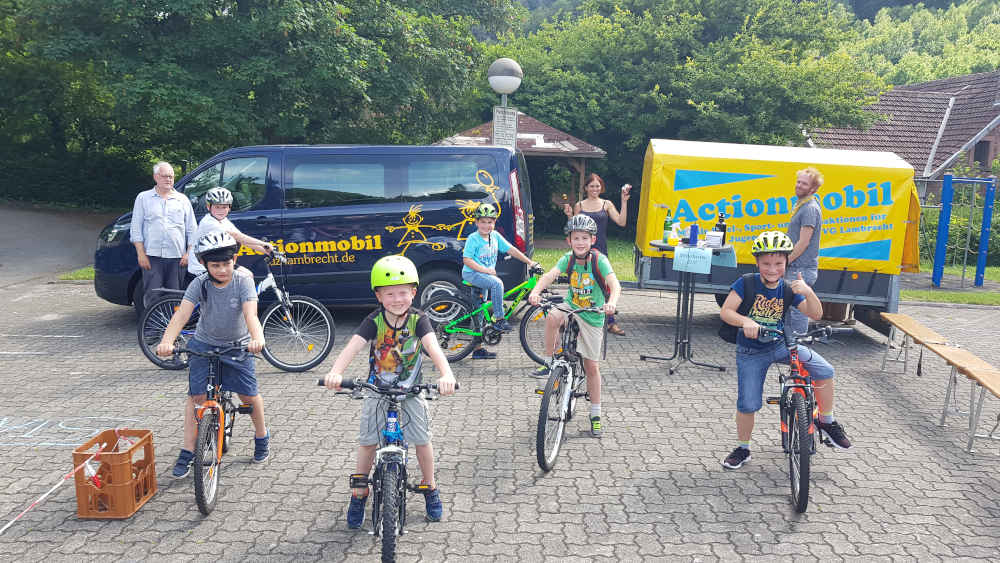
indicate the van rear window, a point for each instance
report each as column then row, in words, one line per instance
column 335, row 180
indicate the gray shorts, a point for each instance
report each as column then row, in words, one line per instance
column 414, row 419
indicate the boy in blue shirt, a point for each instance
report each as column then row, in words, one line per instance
column 480, row 260
column 753, row 357
column 584, row 291
column 397, row 335
column 228, row 318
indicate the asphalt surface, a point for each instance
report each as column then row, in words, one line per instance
column 652, row 489
column 42, row 242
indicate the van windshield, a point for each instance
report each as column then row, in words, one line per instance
column 336, row 179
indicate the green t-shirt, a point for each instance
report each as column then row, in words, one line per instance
column 584, row 291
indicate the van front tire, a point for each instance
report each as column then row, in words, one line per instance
column 437, row 280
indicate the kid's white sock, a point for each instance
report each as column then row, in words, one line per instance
column 595, row 410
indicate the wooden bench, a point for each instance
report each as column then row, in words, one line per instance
column 912, row 330
column 982, row 376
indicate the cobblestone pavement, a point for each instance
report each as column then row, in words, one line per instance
column 651, row 489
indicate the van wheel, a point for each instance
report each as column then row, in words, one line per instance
column 436, row 280
column 720, row 298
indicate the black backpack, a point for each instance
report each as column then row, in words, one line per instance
column 727, row 331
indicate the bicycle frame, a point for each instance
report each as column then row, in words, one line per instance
column 216, row 400
column 516, row 295
column 798, row 381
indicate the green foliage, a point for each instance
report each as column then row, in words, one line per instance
column 918, row 43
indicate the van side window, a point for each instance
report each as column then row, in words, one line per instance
column 449, row 177
column 245, row 177
column 330, row 181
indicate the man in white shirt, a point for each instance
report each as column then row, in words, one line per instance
column 163, row 227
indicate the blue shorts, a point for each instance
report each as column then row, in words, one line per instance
column 751, row 368
column 238, row 377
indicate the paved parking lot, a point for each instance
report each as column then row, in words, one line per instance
column 651, row 489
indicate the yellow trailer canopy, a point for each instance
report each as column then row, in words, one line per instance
column 869, row 201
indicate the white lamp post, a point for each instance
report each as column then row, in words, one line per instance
column 505, row 77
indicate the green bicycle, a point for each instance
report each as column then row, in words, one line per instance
column 464, row 319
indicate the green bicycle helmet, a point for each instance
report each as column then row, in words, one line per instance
column 771, row 241
column 486, row 210
column 394, row 270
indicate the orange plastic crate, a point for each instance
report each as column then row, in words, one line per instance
column 128, row 479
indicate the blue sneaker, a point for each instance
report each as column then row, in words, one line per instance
column 503, row 326
column 260, row 449
column 183, row 465
column 434, row 509
column 483, row 354
column 356, row 512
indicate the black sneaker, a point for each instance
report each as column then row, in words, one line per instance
column 736, row 459
column 483, row 354
column 183, row 466
column 595, row 427
column 834, row 432
column 503, row 326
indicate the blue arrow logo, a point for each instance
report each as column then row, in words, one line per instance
column 874, row 250
column 690, row 179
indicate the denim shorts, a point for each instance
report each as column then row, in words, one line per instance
column 752, row 364
column 238, row 377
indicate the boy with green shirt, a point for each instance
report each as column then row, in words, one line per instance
column 584, row 291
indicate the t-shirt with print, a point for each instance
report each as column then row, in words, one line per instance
column 809, row 215
column 220, row 320
column 484, row 252
column 208, row 225
column 767, row 309
column 395, row 357
column 584, row 290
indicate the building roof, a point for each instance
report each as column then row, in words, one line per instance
column 913, row 114
column 534, row 138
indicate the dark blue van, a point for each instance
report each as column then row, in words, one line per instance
column 335, row 210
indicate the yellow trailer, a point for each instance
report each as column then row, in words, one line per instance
column 869, row 201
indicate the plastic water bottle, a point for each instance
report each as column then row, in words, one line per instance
column 667, row 227
column 721, row 226
column 693, row 238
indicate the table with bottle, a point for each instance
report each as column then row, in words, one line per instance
column 684, row 242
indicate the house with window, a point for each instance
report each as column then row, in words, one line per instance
column 930, row 125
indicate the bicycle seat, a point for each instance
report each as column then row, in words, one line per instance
column 473, row 291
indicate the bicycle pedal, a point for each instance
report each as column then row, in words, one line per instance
column 539, row 391
column 773, row 400
column 422, row 488
column 359, row 481
column 245, row 409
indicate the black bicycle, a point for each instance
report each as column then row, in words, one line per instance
column 298, row 330
column 561, row 391
column 215, row 418
column 797, row 410
column 388, row 479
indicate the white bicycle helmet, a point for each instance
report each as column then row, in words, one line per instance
column 580, row 222
column 216, row 247
column 219, row 195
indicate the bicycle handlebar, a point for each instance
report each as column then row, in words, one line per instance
column 820, row 334
column 549, row 302
column 383, row 389
column 216, row 352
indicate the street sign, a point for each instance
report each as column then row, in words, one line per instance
column 505, row 126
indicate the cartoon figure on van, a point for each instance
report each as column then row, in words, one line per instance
column 413, row 222
column 468, row 207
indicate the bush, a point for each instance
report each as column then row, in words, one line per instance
column 94, row 180
column 957, row 233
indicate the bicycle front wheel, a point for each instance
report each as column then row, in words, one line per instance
column 153, row 323
column 391, row 499
column 206, row 462
column 799, row 451
column 458, row 331
column 297, row 337
column 532, row 333
column 552, row 419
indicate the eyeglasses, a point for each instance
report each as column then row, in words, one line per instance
column 168, row 176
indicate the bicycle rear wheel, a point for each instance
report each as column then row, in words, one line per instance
column 391, row 499
column 552, row 419
column 532, row 333
column 452, row 321
column 206, row 463
column 299, row 337
column 799, row 451
column 152, row 325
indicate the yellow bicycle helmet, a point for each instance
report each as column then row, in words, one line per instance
column 486, row 210
column 394, row 270
column 771, row 241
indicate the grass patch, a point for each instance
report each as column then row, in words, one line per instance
column 86, row 273
column 992, row 273
column 958, row 297
column 619, row 253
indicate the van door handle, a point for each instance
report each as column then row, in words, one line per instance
column 264, row 220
